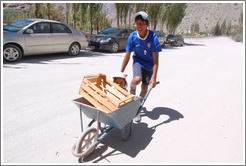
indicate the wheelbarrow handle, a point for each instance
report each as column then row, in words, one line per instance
column 145, row 97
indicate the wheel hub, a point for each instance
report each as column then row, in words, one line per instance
column 11, row 54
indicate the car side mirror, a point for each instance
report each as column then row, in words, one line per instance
column 29, row 31
column 123, row 35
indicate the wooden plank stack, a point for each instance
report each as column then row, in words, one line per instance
column 103, row 93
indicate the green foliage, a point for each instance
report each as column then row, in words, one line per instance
column 195, row 27
column 153, row 10
column 141, row 7
column 10, row 15
column 237, row 37
column 216, row 30
column 223, row 28
column 174, row 13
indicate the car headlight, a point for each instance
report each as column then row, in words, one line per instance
column 105, row 40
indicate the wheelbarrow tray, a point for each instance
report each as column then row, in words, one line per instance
column 117, row 118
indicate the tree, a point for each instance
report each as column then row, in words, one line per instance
column 125, row 7
column 216, row 30
column 83, row 11
column 174, row 13
column 194, row 27
column 131, row 7
column 223, row 27
column 162, row 17
column 119, row 13
column 153, row 10
column 228, row 30
column 48, row 10
column 67, row 12
column 117, row 7
column 141, row 7
column 94, row 11
column 75, row 10
column 37, row 10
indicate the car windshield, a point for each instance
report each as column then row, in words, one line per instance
column 109, row 31
column 17, row 25
column 170, row 36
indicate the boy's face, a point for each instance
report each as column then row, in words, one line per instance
column 141, row 25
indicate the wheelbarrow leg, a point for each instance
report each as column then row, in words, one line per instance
column 125, row 134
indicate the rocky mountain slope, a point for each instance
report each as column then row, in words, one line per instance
column 205, row 14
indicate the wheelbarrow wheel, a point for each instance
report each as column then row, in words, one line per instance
column 81, row 147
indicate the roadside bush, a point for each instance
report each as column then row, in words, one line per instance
column 223, row 28
column 237, row 37
column 216, row 30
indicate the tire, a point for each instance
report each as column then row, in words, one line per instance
column 114, row 47
column 12, row 53
column 81, row 147
column 74, row 49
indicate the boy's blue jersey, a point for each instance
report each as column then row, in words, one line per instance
column 143, row 48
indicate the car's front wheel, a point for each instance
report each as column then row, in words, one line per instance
column 114, row 47
column 12, row 53
column 74, row 49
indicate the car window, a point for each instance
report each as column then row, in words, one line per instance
column 110, row 31
column 17, row 25
column 125, row 31
column 59, row 28
column 41, row 27
column 170, row 36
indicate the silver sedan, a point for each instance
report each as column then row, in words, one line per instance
column 40, row 36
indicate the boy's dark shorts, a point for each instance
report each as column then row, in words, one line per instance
column 145, row 74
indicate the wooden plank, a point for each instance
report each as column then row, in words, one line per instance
column 118, row 87
column 130, row 97
column 126, row 101
column 93, row 101
column 115, row 92
column 100, row 91
column 93, row 79
column 92, row 75
column 104, row 101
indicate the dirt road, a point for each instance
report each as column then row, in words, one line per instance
column 195, row 115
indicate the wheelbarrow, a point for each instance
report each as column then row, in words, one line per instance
column 106, row 122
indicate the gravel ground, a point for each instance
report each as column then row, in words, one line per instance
column 195, row 115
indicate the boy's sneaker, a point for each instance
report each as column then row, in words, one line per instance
column 137, row 119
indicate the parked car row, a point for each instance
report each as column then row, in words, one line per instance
column 40, row 36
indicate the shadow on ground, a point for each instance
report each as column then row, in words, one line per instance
column 140, row 138
column 48, row 58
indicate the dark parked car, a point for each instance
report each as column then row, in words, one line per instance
column 175, row 40
column 40, row 36
column 161, row 37
column 112, row 39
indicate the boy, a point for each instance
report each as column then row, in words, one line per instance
column 146, row 47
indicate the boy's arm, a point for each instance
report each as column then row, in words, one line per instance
column 125, row 61
column 155, row 69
